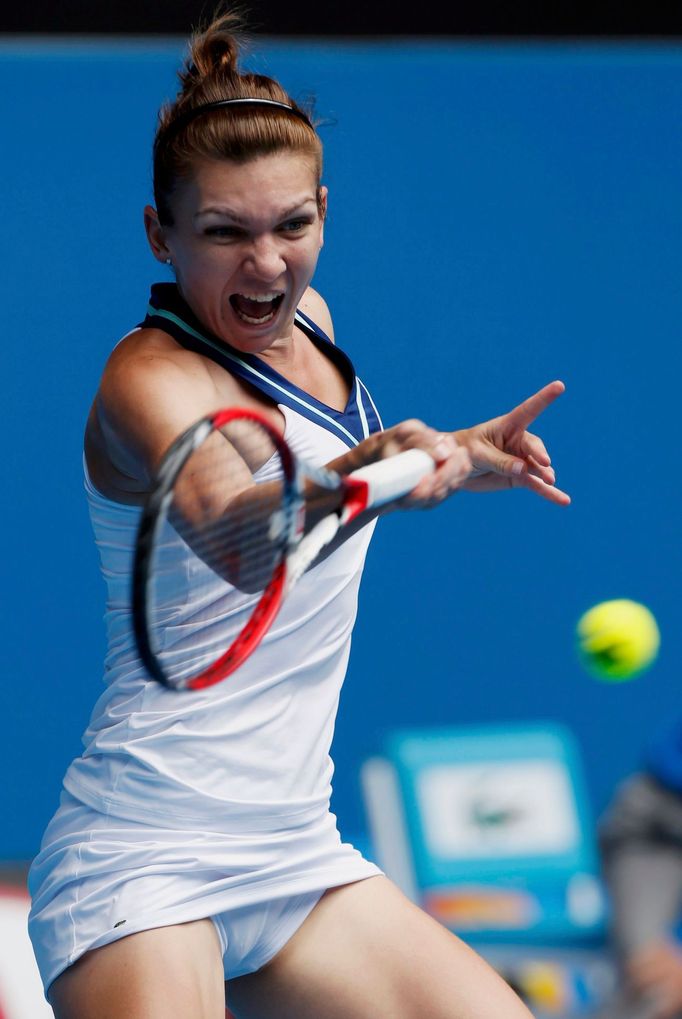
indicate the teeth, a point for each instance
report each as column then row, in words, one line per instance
column 255, row 321
column 260, row 297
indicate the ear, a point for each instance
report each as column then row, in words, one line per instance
column 155, row 234
column 322, row 197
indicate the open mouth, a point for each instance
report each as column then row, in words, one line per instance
column 256, row 309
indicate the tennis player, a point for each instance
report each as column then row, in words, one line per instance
column 193, row 844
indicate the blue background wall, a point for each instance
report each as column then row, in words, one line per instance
column 499, row 216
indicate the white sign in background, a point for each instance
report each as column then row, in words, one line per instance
column 523, row 808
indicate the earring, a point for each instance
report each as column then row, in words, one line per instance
column 169, row 261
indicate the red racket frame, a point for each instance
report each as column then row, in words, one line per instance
column 152, row 517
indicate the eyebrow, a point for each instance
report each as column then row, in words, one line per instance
column 224, row 210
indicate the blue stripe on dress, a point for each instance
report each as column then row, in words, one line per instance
column 169, row 312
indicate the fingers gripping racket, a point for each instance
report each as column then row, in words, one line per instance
column 233, row 521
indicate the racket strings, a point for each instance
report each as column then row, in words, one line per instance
column 243, row 544
column 225, row 532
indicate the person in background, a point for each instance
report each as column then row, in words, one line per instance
column 640, row 838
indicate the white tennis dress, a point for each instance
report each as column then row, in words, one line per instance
column 209, row 803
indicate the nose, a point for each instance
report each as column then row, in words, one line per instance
column 264, row 259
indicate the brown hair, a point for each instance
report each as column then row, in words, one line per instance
column 211, row 73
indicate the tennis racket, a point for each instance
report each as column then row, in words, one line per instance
column 255, row 516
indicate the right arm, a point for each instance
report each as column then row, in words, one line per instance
column 150, row 394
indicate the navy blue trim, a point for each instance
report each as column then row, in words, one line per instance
column 307, row 321
column 170, row 313
column 373, row 420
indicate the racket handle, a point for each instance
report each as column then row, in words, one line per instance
column 377, row 484
column 394, row 477
column 309, row 547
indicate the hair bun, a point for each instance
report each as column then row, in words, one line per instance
column 198, row 126
column 214, row 52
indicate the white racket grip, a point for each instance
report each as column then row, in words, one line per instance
column 394, row 477
column 309, row 547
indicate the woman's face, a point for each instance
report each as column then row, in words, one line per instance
column 244, row 245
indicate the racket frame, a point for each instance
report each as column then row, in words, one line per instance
column 371, row 486
column 155, row 512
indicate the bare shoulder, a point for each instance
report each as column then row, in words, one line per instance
column 146, row 352
column 315, row 307
column 146, row 370
column 151, row 390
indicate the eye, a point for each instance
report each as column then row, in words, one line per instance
column 295, row 225
column 228, row 232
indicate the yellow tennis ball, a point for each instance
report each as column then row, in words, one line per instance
column 617, row 640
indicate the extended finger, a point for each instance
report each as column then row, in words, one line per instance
column 545, row 473
column 541, row 488
column 486, row 457
column 518, row 419
column 532, row 446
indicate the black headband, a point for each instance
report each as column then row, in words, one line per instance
column 184, row 118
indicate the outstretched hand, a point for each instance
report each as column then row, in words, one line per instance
column 504, row 454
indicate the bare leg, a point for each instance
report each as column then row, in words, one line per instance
column 367, row 952
column 166, row 973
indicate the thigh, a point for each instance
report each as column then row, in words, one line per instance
column 165, row 973
column 367, row 952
